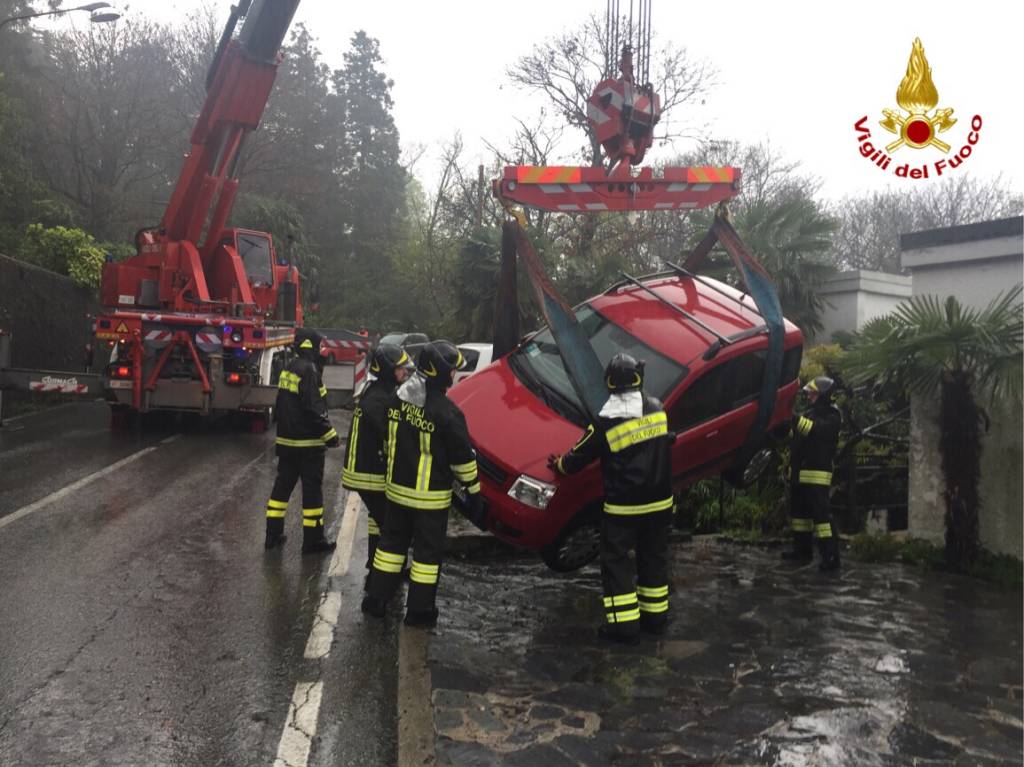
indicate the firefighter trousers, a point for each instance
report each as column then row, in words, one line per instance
column 425, row 530
column 293, row 464
column 811, row 519
column 640, row 598
column 376, row 506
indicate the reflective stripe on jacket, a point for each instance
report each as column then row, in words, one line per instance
column 636, row 463
column 302, row 420
column 815, row 438
column 366, row 460
column 428, row 449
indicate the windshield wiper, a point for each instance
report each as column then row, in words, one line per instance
column 533, row 383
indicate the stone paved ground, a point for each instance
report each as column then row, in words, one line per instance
column 882, row 665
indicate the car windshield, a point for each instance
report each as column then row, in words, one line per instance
column 393, row 338
column 539, row 365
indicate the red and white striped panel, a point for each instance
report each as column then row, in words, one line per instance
column 359, row 374
column 209, row 339
column 58, row 385
column 330, row 343
column 159, row 336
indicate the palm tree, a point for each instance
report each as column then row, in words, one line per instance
column 927, row 344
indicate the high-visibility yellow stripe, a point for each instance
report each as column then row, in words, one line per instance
column 289, row 382
column 275, row 513
column 384, row 564
column 801, row 525
column 418, row 499
column 465, row 472
column 372, row 528
column 387, row 556
column 804, row 425
column 353, row 441
column 823, row 531
column 620, row 599
column 623, row 616
column 473, row 489
column 392, row 433
column 654, row 607
column 425, row 464
column 323, row 391
column 318, row 512
column 645, row 508
column 652, row 591
column 329, row 435
column 355, row 480
column 272, row 504
column 636, row 431
column 299, row 442
column 811, row 477
column 311, row 521
column 421, row 573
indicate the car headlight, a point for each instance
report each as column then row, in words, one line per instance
column 532, row 492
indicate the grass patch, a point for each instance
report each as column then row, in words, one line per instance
column 1001, row 569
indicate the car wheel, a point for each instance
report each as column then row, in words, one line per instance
column 753, row 470
column 577, row 545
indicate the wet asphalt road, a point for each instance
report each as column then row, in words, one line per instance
column 141, row 621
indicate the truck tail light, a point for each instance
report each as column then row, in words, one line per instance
column 234, row 379
column 119, row 371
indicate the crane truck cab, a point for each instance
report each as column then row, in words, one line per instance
column 523, row 408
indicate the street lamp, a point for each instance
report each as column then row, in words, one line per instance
column 99, row 13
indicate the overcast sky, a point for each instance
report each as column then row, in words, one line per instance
column 795, row 74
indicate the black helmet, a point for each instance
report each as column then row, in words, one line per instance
column 623, row 373
column 823, row 385
column 437, row 360
column 386, row 359
column 307, row 343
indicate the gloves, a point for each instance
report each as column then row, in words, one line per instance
column 334, row 441
column 553, row 463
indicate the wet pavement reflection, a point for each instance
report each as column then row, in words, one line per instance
column 762, row 664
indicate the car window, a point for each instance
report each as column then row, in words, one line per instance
column 726, row 387
column 661, row 374
column 416, row 338
column 472, row 357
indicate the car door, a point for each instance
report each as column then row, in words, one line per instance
column 713, row 415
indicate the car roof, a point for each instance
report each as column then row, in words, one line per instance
column 722, row 308
column 475, row 346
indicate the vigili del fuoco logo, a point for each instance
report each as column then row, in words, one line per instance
column 917, row 125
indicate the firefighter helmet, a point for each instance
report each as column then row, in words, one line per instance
column 438, row 360
column 623, row 373
column 822, row 386
column 386, row 359
column 308, row 342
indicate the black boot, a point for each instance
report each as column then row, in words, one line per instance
column 421, row 618
column 313, row 541
column 275, row 533
column 373, row 606
column 615, row 633
column 654, row 623
column 829, row 550
column 802, row 551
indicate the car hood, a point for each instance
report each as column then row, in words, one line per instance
column 511, row 425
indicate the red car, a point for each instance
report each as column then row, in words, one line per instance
column 524, row 408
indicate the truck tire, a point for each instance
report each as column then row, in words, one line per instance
column 577, row 545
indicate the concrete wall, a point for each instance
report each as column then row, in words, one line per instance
column 855, row 297
column 47, row 314
column 975, row 263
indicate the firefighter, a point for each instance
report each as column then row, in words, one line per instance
column 632, row 439
column 815, row 437
column 303, row 433
column 428, row 449
column 365, row 462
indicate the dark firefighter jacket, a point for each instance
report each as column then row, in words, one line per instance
column 635, row 460
column 365, row 463
column 302, row 407
column 428, row 448
column 815, row 437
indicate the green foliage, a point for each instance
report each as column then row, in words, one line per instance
column 65, row 251
column 821, row 360
column 1002, row 569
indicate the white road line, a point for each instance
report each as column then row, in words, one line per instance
column 24, row 511
column 349, row 521
column 170, row 439
column 300, row 728
column 322, row 634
